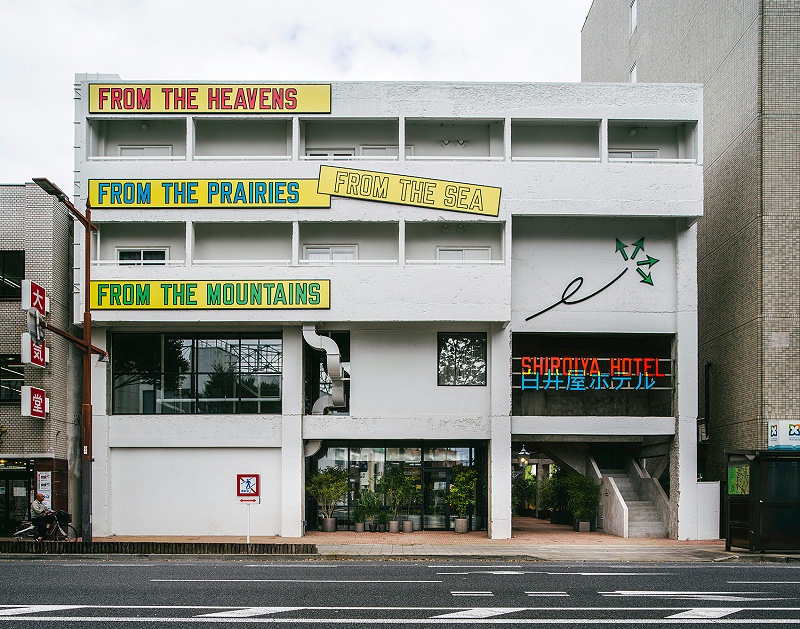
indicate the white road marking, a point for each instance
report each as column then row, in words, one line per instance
column 699, row 596
column 584, row 574
column 767, row 582
column 423, row 621
column 285, row 581
column 483, row 593
column 32, row 609
column 708, row 612
column 250, row 612
column 481, row 612
column 546, row 593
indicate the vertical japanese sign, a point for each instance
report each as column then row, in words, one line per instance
column 34, row 296
column 35, row 402
column 34, row 353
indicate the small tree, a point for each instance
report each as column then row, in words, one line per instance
column 329, row 487
column 554, row 491
column 396, row 488
column 371, row 505
column 462, row 490
column 523, row 492
column 583, row 497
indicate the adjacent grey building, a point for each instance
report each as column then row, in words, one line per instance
column 747, row 55
column 36, row 454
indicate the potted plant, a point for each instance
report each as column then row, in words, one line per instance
column 329, row 487
column 462, row 495
column 358, row 516
column 394, row 487
column 554, row 497
column 383, row 520
column 583, row 497
column 371, row 505
column 523, row 493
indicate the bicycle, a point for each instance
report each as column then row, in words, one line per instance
column 62, row 530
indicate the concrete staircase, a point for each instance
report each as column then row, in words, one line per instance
column 643, row 518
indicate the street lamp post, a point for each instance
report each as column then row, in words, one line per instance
column 85, row 344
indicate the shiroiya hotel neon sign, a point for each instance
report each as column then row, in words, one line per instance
column 573, row 373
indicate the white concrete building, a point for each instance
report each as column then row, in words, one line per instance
column 281, row 289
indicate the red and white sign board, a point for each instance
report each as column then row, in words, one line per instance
column 34, row 296
column 33, row 354
column 248, row 488
column 35, row 402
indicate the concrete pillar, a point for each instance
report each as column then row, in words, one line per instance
column 292, row 462
column 684, row 474
column 500, row 440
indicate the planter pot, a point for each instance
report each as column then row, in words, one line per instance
column 408, row 526
column 462, row 525
column 359, row 526
column 561, row 517
column 381, row 528
column 394, row 526
column 583, row 526
column 329, row 525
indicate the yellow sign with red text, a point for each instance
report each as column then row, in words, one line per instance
column 408, row 190
column 156, row 98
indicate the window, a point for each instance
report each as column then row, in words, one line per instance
column 12, row 272
column 145, row 151
column 387, row 152
column 633, row 73
column 633, row 154
column 633, row 16
column 330, row 153
column 170, row 374
column 141, row 256
column 458, row 254
column 330, row 253
column 462, row 359
column 12, row 377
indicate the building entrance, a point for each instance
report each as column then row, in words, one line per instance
column 435, row 510
column 14, row 496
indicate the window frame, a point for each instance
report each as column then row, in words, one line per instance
column 141, row 261
column 8, row 361
column 487, row 249
column 192, row 373
column 330, row 248
column 10, row 294
column 442, row 337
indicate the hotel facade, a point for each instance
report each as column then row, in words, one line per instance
column 389, row 275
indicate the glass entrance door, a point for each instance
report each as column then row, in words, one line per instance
column 13, row 503
column 435, row 510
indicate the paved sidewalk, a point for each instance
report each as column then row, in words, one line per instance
column 532, row 540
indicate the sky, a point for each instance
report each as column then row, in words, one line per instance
column 44, row 43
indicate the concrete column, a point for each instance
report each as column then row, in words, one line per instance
column 101, row 514
column 500, row 440
column 684, row 474
column 292, row 461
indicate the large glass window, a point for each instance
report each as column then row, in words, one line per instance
column 164, row 373
column 12, row 377
column 462, row 359
column 12, row 270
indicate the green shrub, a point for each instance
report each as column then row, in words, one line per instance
column 462, row 490
column 523, row 492
column 329, row 487
column 583, row 497
column 553, row 494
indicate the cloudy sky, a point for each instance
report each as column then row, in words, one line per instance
column 45, row 43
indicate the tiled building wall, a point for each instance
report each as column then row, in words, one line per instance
column 781, row 208
column 749, row 292
column 39, row 224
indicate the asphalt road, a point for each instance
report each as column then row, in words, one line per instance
column 133, row 592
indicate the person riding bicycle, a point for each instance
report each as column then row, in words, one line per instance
column 41, row 516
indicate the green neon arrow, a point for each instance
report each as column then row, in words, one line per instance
column 646, row 279
column 621, row 248
column 639, row 244
column 649, row 262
